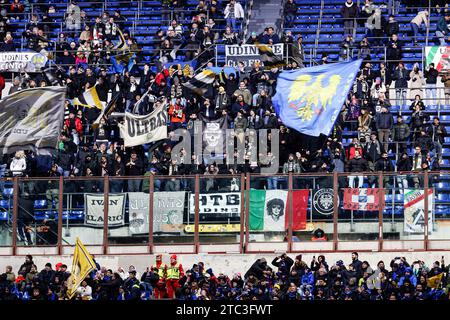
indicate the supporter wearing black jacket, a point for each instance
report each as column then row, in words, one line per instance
column 424, row 142
column 284, row 264
column 257, row 269
column 47, row 275
column 373, row 149
column 357, row 164
column 392, row 26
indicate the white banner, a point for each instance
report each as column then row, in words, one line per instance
column 94, row 208
column 275, row 210
column 139, row 130
column 213, row 206
column 414, row 211
column 168, row 209
column 22, row 61
column 248, row 54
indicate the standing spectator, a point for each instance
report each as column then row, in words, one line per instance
column 233, row 12
column 431, row 75
column 229, row 37
column 298, row 51
column 16, row 7
column 400, row 135
column 417, row 82
column 18, row 164
column 373, row 151
column 364, row 50
column 346, row 48
column 384, row 122
column 416, row 23
column 393, row 52
column 418, row 118
column 392, row 26
column 446, row 80
column 364, row 124
column 290, row 12
column 442, row 30
column 356, row 165
column 194, row 38
column 73, row 18
column 361, row 87
column 401, row 77
column 134, row 168
column 437, row 132
column 174, row 273
column 349, row 13
column 270, row 37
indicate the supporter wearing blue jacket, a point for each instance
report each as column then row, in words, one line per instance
column 409, row 275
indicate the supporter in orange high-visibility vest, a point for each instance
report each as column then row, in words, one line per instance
column 174, row 273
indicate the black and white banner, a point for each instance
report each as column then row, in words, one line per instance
column 248, row 54
column 32, row 119
column 217, row 206
column 139, row 130
column 322, row 201
column 22, row 61
column 94, row 209
column 168, row 210
column 414, row 210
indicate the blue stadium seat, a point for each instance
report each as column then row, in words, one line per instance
column 4, row 204
column 3, row 215
column 442, row 197
column 8, row 192
column 40, row 204
column 76, row 215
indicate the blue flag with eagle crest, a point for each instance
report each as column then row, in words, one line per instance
column 309, row 100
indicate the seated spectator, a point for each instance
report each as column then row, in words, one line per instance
column 442, row 30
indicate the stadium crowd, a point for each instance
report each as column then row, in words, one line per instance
column 243, row 98
column 282, row 279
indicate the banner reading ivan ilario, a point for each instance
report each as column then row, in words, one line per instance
column 414, row 210
column 217, row 206
column 168, row 209
column 22, row 61
column 248, row 54
column 440, row 56
column 94, row 206
column 139, row 130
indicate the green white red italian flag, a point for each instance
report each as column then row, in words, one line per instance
column 440, row 56
column 269, row 210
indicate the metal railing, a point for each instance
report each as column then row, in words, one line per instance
column 341, row 225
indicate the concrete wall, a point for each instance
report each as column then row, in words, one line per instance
column 221, row 263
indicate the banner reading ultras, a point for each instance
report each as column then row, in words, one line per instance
column 139, row 130
column 440, row 56
column 248, row 54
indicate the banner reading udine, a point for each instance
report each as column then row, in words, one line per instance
column 32, row 119
column 414, row 210
column 440, row 56
column 22, row 61
column 309, row 100
column 248, row 54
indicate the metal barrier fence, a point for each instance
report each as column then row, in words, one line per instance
column 219, row 213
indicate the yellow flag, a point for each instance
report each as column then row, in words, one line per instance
column 82, row 265
column 435, row 281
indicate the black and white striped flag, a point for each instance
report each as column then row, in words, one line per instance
column 200, row 82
